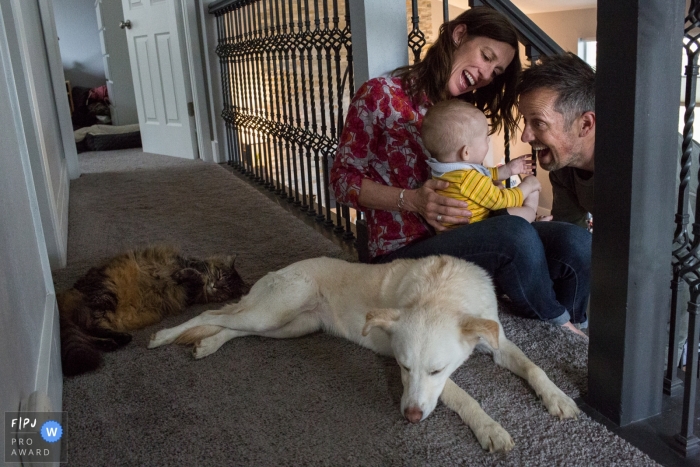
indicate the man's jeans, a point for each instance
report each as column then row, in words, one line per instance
column 544, row 268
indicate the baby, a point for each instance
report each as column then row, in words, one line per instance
column 456, row 135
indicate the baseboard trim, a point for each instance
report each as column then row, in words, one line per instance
column 62, row 219
column 49, row 374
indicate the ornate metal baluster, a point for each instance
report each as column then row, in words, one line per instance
column 301, row 134
column 288, row 119
column 238, row 73
column 225, row 80
column 251, row 58
column 347, row 44
column 681, row 241
column 292, row 39
column 262, row 98
column 239, row 103
column 252, row 95
column 311, row 128
column 318, row 39
column 269, row 46
column 279, row 46
column 336, row 44
column 244, row 80
column 416, row 38
column 687, row 255
column 230, row 91
column 268, row 103
column 328, row 47
column 254, row 126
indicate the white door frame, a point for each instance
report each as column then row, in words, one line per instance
column 58, row 81
column 31, row 335
column 206, row 133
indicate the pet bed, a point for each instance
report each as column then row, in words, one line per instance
column 107, row 137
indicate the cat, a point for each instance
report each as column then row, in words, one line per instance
column 134, row 290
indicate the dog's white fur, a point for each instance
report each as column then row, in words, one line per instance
column 429, row 314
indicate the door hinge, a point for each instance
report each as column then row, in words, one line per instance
column 190, row 109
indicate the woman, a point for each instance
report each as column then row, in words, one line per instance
column 380, row 168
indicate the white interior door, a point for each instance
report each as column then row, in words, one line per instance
column 115, row 56
column 161, row 81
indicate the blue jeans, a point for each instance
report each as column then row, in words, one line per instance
column 544, row 268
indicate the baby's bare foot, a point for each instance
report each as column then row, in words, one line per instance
column 570, row 327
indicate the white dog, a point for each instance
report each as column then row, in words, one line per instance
column 428, row 313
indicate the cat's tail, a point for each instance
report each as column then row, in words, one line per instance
column 78, row 354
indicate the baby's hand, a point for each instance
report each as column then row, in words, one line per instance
column 530, row 184
column 521, row 165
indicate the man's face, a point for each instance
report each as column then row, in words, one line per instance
column 545, row 129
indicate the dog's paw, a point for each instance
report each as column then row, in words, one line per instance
column 157, row 339
column 560, row 405
column 493, row 437
column 202, row 350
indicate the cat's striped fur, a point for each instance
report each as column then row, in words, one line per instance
column 132, row 291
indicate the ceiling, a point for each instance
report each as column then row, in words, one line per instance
column 540, row 6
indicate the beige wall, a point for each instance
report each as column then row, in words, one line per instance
column 567, row 27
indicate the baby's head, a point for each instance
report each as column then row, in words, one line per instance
column 456, row 131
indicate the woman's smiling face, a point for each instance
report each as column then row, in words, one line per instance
column 476, row 61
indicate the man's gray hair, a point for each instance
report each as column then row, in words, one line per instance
column 570, row 77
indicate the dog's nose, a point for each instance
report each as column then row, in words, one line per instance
column 413, row 414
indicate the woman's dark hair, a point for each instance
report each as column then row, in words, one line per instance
column 429, row 77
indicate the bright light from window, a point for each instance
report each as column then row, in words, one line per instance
column 587, row 50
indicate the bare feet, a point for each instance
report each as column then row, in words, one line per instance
column 570, row 327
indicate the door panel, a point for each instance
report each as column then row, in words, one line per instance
column 143, row 81
column 166, row 78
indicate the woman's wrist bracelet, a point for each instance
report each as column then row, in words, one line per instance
column 401, row 199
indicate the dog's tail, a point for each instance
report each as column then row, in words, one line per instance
column 196, row 334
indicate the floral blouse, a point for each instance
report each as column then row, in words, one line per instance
column 381, row 142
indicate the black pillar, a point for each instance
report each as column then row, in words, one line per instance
column 637, row 102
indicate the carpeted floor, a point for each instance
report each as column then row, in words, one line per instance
column 316, row 400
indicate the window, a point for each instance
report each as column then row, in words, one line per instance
column 587, row 50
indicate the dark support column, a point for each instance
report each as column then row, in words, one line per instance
column 637, row 100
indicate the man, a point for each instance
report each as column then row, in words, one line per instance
column 557, row 103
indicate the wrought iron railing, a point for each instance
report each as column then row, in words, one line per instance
column 287, row 78
column 686, row 253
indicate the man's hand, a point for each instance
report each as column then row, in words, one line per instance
column 426, row 202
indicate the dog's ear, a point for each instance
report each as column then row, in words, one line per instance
column 474, row 328
column 382, row 317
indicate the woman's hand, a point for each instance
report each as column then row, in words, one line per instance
column 426, row 202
